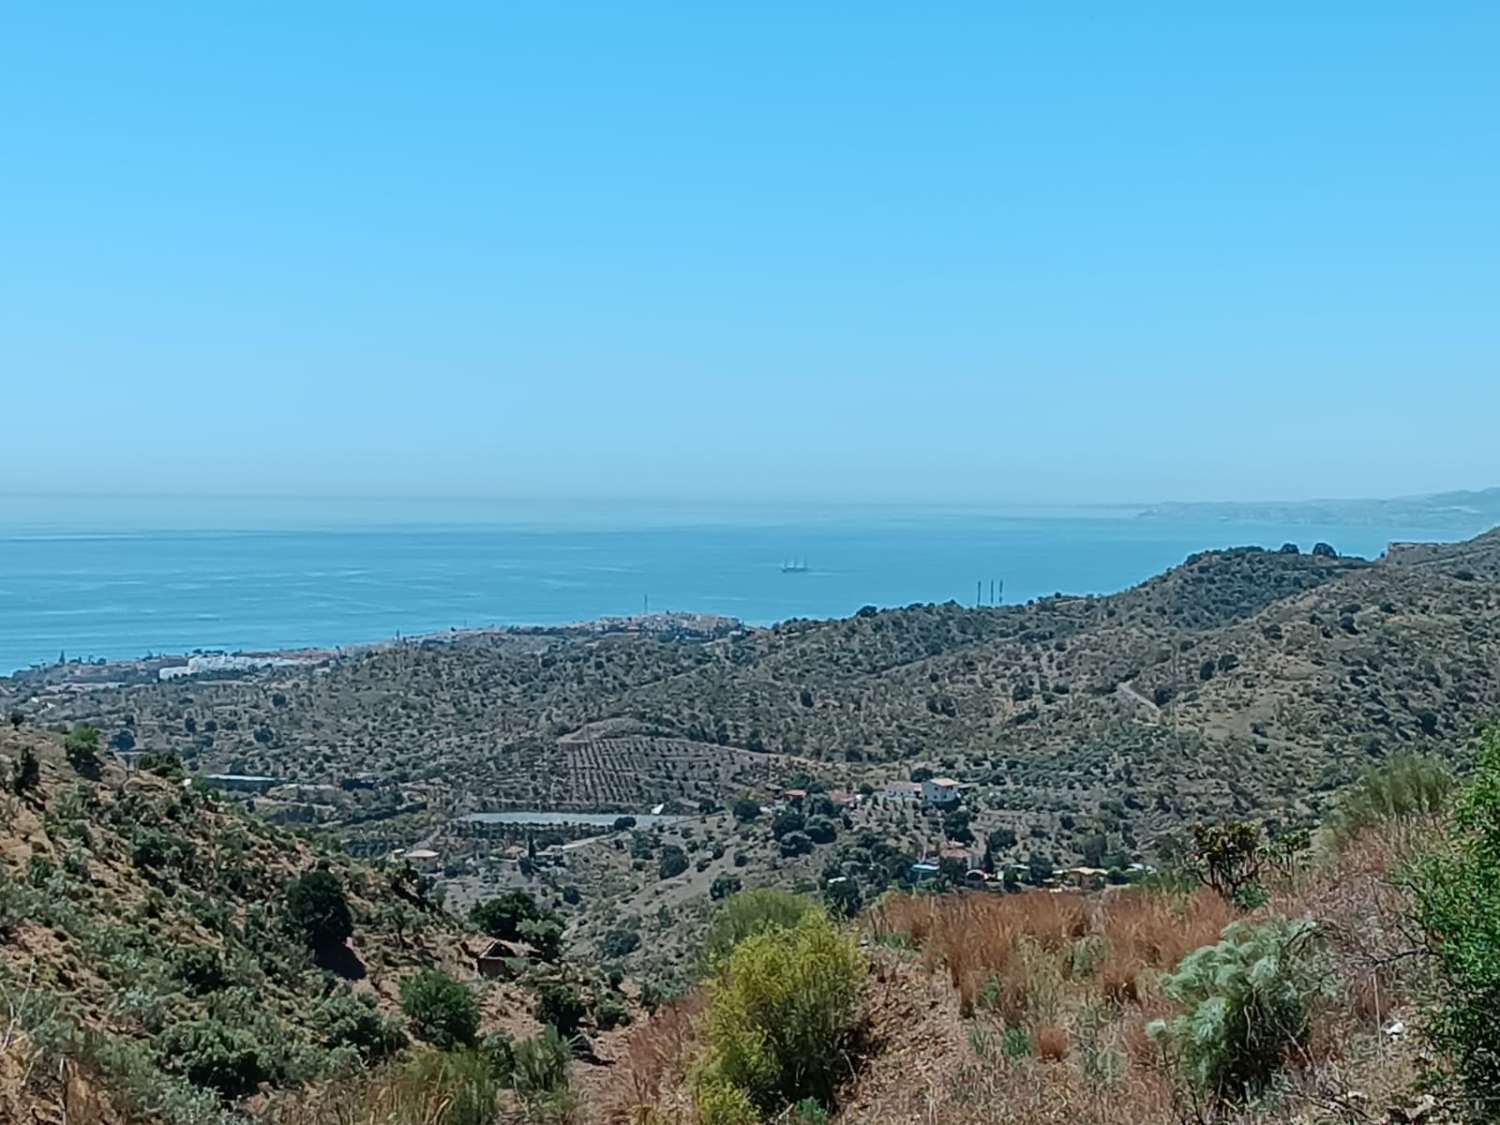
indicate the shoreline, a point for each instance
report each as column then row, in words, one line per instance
column 102, row 673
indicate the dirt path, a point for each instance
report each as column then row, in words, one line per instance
column 1129, row 692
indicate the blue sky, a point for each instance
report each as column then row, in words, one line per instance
column 1021, row 252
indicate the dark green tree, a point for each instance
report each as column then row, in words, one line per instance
column 501, row 916
column 619, row 942
column 724, row 886
column 544, row 935
column 28, row 773
column 796, row 843
column 673, row 861
column 318, row 910
column 956, row 826
column 558, row 1005
column 82, row 748
column 821, row 830
column 787, row 820
column 841, row 896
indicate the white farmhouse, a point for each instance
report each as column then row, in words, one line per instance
column 940, row 792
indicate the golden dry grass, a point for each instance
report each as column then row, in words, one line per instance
column 646, row 1086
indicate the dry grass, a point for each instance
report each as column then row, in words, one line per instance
column 1057, row 990
column 1012, row 953
column 1051, row 1043
column 647, row 1083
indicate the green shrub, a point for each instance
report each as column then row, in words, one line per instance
column 199, row 968
column 540, row 1065
column 1405, row 787
column 1455, row 895
column 347, row 1019
column 161, row 763
column 151, row 850
column 227, row 1060
column 1015, row 1043
column 544, row 935
column 501, row 916
column 781, row 1013
column 1247, row 1002
column 722, row 1103
column 82, row 748
column 750, row 912
column 786, row 821
column 441, row 1010
column 318, row 910
column 619, row 942
column 610, row 1013
column 558, row 1005
column 820, row 830
column 500, row 1050
column 656, row 993
column 796, row 843
column 842, row 897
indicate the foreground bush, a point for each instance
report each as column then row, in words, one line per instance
column 347, row 1019
column 1248, row 1001
column 782, row 1012
column 451, row 1087
column 539, row 1068
column 428, row 1088
column 210, row 1054
column 1455, row 893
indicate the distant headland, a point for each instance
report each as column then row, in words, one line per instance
column 1437, row 509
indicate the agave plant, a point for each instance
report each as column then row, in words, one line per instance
column 1247, row 1002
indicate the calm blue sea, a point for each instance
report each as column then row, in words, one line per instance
column 121, row 578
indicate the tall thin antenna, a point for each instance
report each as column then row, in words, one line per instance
column 978, row 593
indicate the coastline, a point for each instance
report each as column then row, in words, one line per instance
column 81, row 675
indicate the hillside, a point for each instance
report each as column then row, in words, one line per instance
column 1240, row 682
column 152, row 967
column 152, row 955
column 1053, row 701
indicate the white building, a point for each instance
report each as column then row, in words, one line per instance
column 940, row 792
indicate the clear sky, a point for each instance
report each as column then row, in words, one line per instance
column 1034, row 252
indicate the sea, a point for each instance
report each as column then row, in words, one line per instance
column 119, row 578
